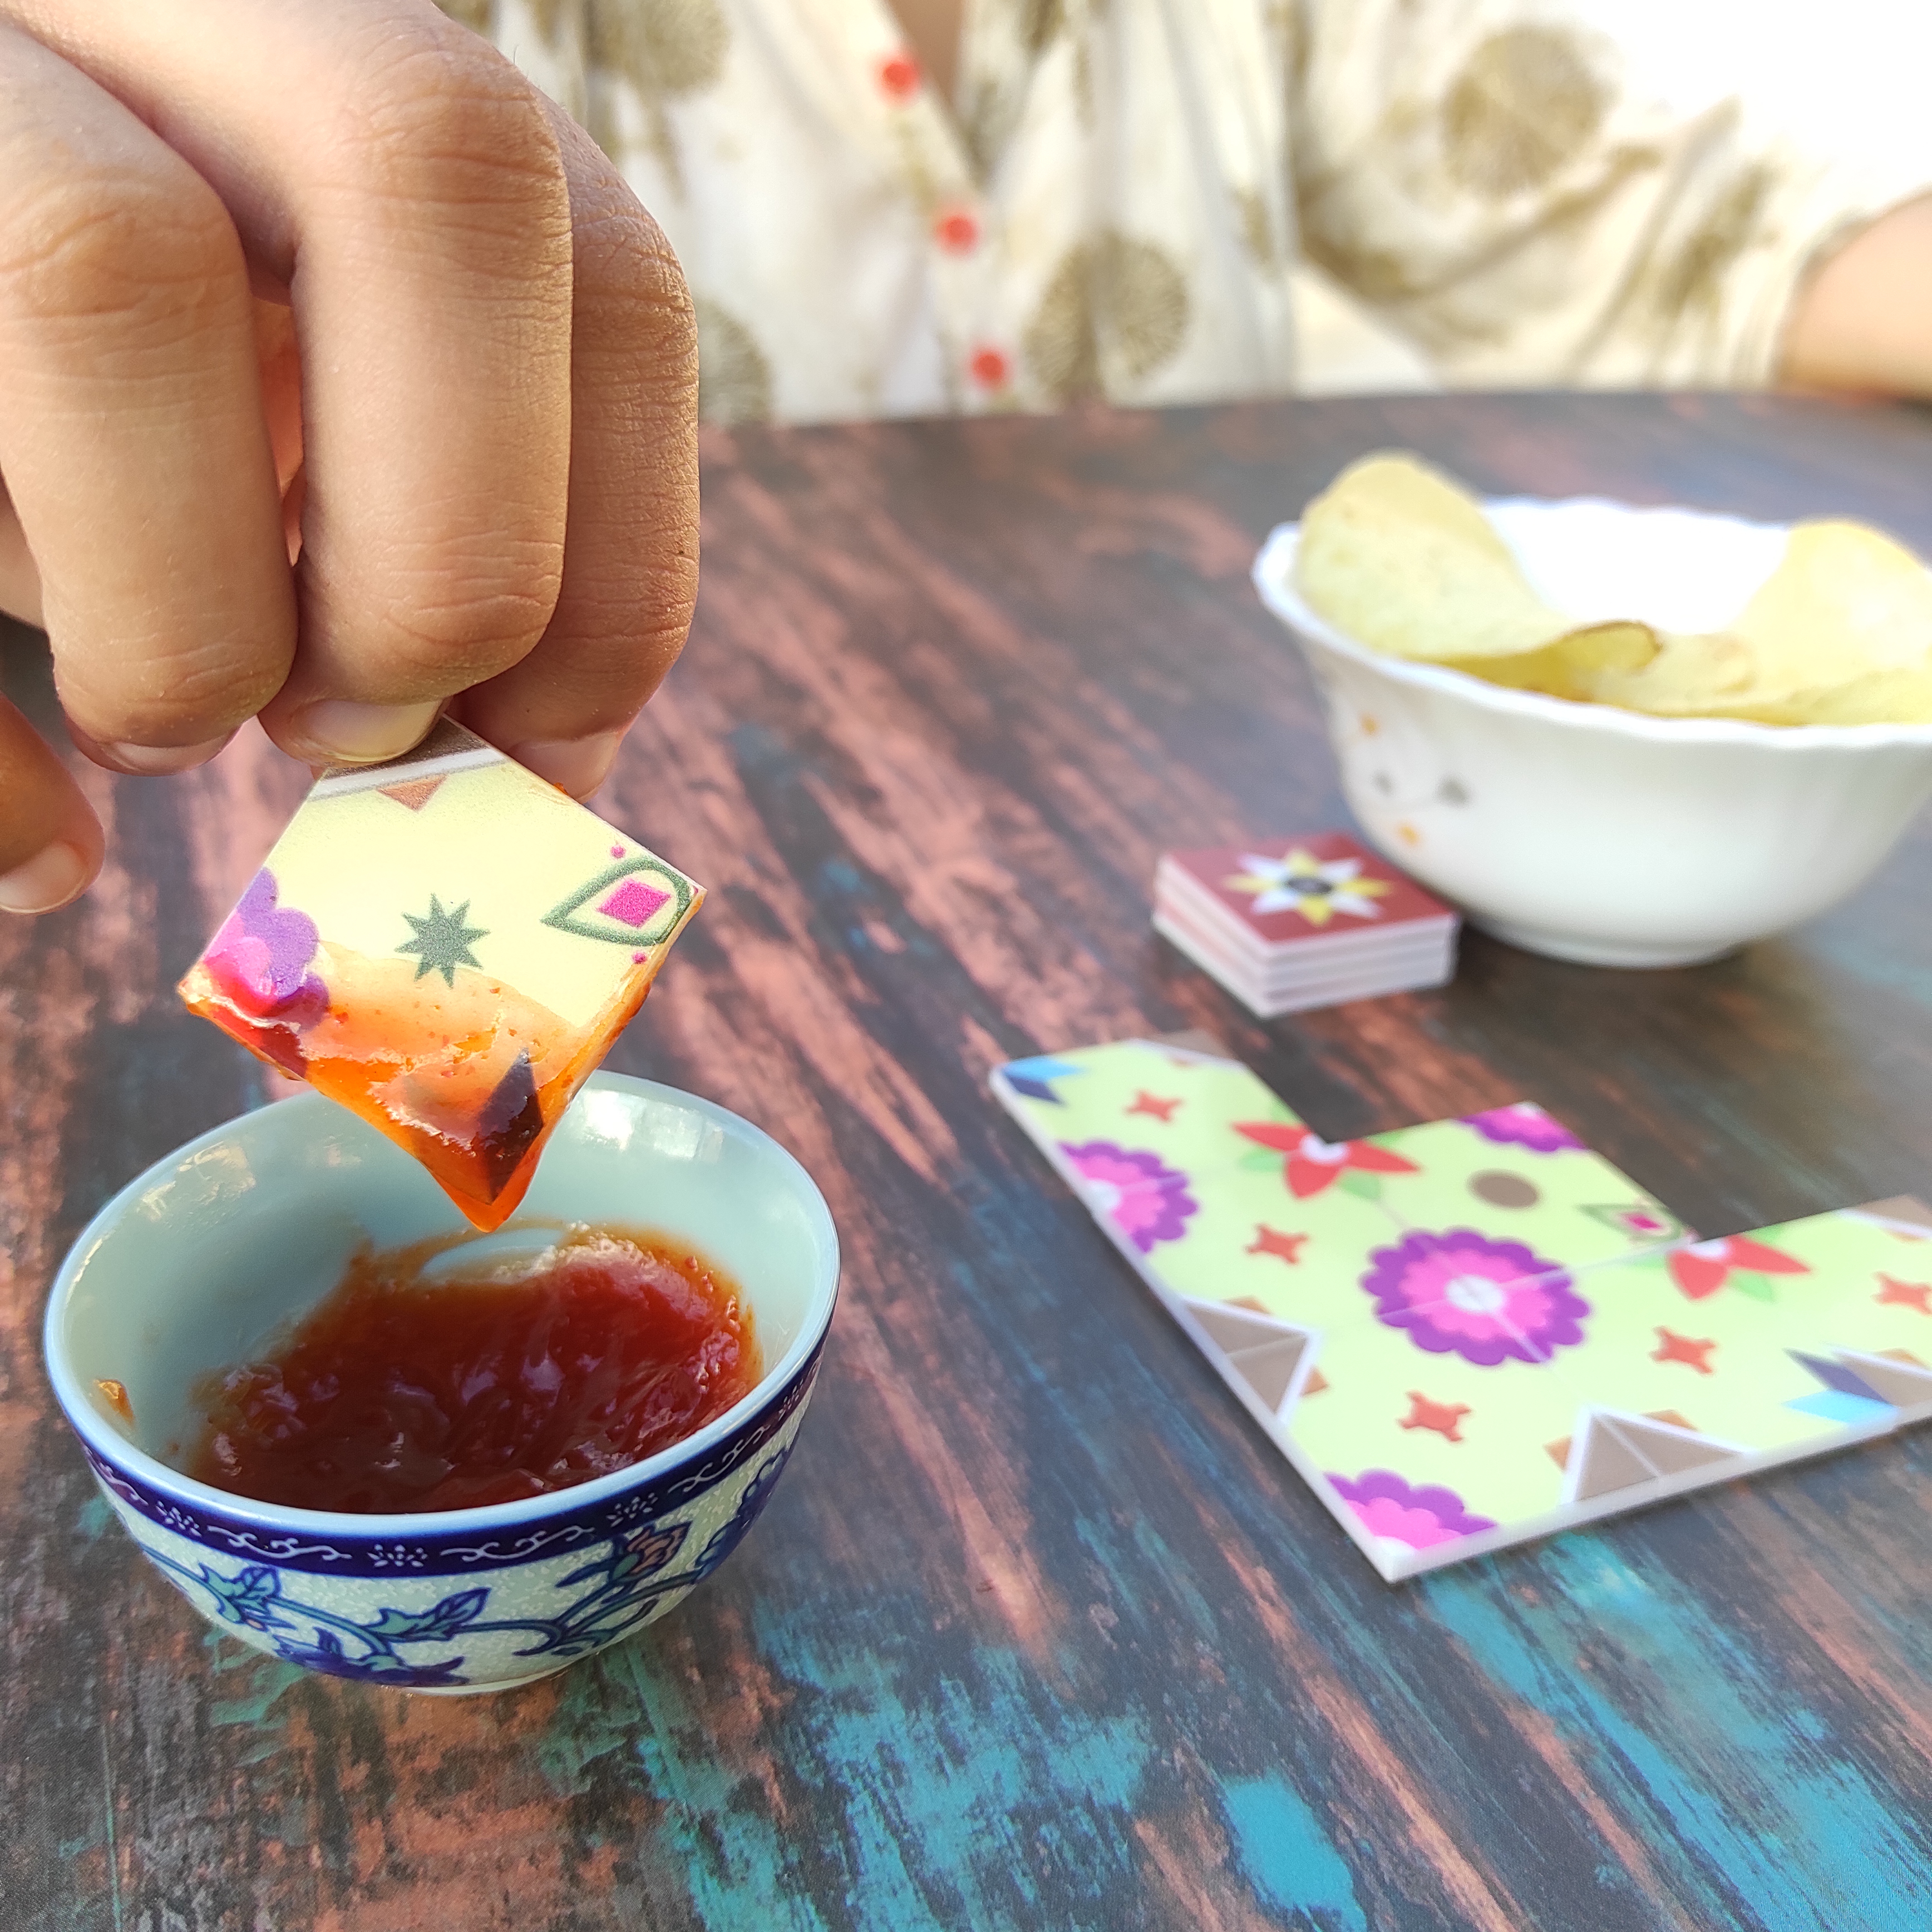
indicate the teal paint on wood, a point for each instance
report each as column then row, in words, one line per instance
column 980, row 1800
column 1284, row 1856
column 1899, row 967
column 623, row 1719
column 247, row 1690
column 1759, row 1817
column 975, row 1800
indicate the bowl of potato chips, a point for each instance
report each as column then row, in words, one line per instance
column 1626, row 736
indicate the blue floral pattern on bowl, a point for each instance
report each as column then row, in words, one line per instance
column 384, row 1612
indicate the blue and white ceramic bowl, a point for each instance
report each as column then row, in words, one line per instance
column 192, row 1266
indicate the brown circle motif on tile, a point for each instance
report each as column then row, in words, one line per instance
column 1505, row 1190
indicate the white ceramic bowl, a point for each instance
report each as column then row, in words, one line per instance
column 188, row 1268
column 1585, row 832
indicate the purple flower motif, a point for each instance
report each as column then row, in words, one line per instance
column 1421, row 1518
column 1146, row 1200
column 260, row 958
column 1461, row 1293
column 1524, row 1125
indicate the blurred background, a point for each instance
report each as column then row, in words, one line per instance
column 1850, row 75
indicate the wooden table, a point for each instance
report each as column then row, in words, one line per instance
column 1040, row 1631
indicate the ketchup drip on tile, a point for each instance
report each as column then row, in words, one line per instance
column 399, row 1395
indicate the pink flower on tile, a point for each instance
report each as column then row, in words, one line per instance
column 259, row 959
column 1523, row 1125
column 1462, row 1293
column 1387, row 1506
column 1144, row 1197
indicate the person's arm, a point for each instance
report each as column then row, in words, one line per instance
column 489, row 387
column 1864, row 319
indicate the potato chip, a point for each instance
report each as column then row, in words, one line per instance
column 1688, row 677
column 1844, row 602
column 1400, row 558
column 1840, row 632
column 1901, row 695
column 1575, row 665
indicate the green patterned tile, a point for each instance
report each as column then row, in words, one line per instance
column 1515, row 1174
column 1740, row 1339
column 1166, row 1097
column 1477, row 1331
column 1427, row 1450
column 1249, row 1241
column 1869, row 1289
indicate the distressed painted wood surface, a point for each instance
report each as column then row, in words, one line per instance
column 1039, row 1631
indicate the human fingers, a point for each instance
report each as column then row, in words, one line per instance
column 630, row 560
column 130, row 436
column 280, row 374
column 50, row 843
column 19, row 581
column 402, row 181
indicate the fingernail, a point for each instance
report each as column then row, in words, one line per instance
column 338, row 732
column 49, row 878
column 154, row 761
column 578, row 766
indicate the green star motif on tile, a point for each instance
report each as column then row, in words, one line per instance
column 442, row 941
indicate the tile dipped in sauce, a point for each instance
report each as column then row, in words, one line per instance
column 447, row 947
column 400, row 1393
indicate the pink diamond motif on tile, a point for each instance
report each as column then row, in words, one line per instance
column 633, row 904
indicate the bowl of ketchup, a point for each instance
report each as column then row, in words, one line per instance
column 360, row 1437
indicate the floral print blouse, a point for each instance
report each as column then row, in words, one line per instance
column 1113, row 207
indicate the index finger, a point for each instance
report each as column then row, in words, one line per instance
column 630, row 563
column 50, row 840
column 136, row 467
column 404, row 182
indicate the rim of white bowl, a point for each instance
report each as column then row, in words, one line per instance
column 1274, row 578
column 116, row 1449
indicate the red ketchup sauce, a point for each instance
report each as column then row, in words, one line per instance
column 397, row 1394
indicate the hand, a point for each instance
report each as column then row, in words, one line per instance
column 323, row 275
column 1864, row 319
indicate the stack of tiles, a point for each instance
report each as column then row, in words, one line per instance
column 1287, row 924
column 447, row 946
column 1469, row 1334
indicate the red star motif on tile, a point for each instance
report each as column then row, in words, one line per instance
column 1442, row 1417
column 1906, row 1294
column 1152, row 1103
column 1704, row 1267
column 1270, row 1241
column 1310, row 1163
column 1675, row 1348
